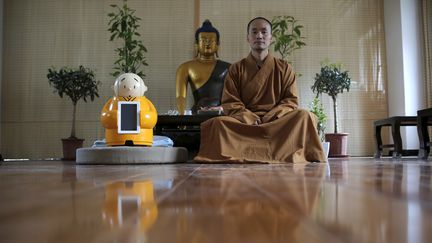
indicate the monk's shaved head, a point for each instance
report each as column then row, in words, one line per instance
column 248, row 26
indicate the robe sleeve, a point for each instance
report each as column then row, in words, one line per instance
column 148, row 114
column 231, row 101
column 109, row 114
column 289, row 99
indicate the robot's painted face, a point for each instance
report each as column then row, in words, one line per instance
column 129, row 85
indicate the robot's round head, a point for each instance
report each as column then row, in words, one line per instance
column 129, row 85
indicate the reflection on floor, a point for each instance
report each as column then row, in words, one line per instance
column 351, row 200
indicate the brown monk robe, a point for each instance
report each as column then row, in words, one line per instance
column 268, row 94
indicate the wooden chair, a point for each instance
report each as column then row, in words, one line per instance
column 422, row 121
column 395, row 122
column 424, row 118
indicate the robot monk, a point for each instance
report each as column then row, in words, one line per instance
column 129, row 117
column 205, row 73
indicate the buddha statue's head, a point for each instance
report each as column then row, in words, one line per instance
column 207, row 40
column 129, row 85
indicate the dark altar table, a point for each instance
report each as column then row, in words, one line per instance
column 184, row 130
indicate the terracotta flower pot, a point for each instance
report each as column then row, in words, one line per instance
column 70, row 145
column 338, row 144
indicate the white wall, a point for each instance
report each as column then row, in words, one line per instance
column 1, row 61
column 413, row 56
column 404, row 62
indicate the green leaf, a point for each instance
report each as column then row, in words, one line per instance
column 300, row 43
column 113, row 36
column 277, row 46
column 283, row 25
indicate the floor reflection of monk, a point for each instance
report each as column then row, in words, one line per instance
column 276, row 207
column 242, row 205
column 205, row 73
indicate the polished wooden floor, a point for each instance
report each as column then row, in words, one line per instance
column 352, row 200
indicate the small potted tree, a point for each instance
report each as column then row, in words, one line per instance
column 77, row 84
column 333, row 81
column 317, row 108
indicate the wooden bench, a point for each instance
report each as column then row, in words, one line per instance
column 395, row 123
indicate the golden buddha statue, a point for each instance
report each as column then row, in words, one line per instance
column 205, row 73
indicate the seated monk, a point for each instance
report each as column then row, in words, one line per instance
column 205, row 74
column 263, row 122
column 129, row 87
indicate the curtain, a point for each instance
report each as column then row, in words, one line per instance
column 56, row 33
column 45, row 33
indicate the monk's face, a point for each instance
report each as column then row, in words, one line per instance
column 207, row 43
column 259, row 35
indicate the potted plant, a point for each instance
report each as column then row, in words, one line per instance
column 287, row 36
column 333, row 81
column 317, row 108
column 77, row 84
column 123, row 26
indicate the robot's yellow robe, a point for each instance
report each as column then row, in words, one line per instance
column 267, row 93
column 119, row 196
column 148, row 119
